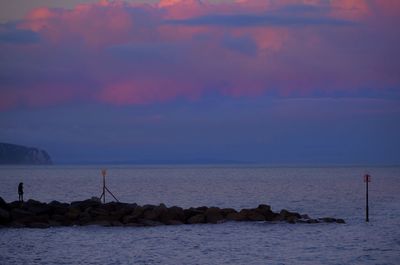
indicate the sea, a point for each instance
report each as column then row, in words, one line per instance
column 317, row 191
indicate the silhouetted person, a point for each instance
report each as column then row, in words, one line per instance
column 21, row 192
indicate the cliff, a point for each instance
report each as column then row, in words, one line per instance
column 11, row 154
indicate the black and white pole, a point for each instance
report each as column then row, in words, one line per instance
column 367, row 179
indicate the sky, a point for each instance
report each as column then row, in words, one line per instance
column 288, row 82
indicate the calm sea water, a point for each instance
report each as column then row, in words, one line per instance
column 319, row 192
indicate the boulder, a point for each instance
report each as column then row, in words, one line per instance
column 19, row 214
column 14, row 205
column 266, row 211
column 4, row 216
column 3, row 203
column 133, row 225
column 213, row 215
column 58, row 218
column 116, row 223
column 99, row 223
column 174, row 222
column 146, row 222
column 177, row 213
column 238, row 216
column 97, row 212
column 327, row 220
column 264, row 208
column 196, row 219
column 191, row 212
column 202, row 209
column 17, row 224
column 305, row 216
column 226, row 211
column 39, row 225
column 43, row 218
column 340, row 221
column 39, row 208
column 73, row 213
column 53, row 223
column 172, row 214
column 255, row 215
column 289, row 216
column 85, row 218
column 155, row 213
column 121, row 209
column 58, row 207
column 82, row 205
column 129, row 219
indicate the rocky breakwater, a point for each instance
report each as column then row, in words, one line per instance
column 35, row 214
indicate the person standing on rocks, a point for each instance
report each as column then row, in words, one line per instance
column 21, row 192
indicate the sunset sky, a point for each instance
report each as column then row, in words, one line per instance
column 188, row 81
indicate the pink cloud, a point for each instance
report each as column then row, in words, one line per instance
column 141, row 54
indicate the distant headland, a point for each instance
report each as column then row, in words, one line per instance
column 11, row 154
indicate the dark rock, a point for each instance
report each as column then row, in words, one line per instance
column 97, row 212
column 85, row 218
column 197, row 219
column 172, row 214
column 40, row 209
column 118, row 210
column 312, row 221
column 39, row 225
column 327, row 220
column 18, row 214
column 53, row 223
column 146, row 222
column 155, row 213
column 255, row 215
column 59, row 208
column 148, row 207
column 134, row 216
column 340, row 221
column 289, row 216
column 73, row 213
column 238, row 216
column 116, row 223
column 4, row 216
column 226, row 211
column 265, row 210
column 129, row 219
column 99, row 223
column 133, row 225
column 202, row 209
column 213, row 215
column 191, row 212
column 174, row 222
column 291, row 219
column 14, row 205
column 305, row 216
column 43, row 218
column 3, row 203
column 58, row 218
column 17, row 224
column 82, row 205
